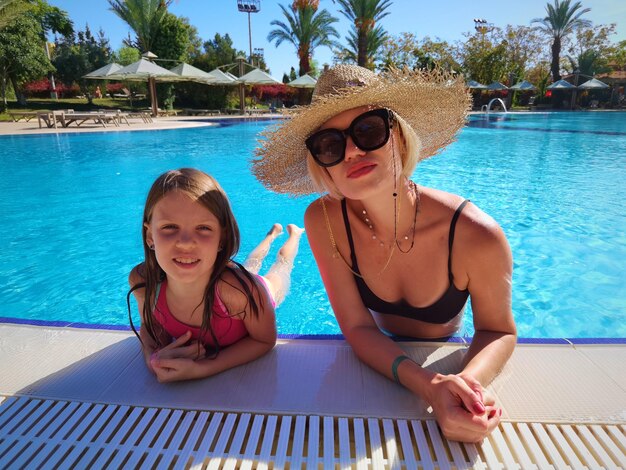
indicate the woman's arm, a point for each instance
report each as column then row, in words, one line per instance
column 260, row 340
column 486, row 258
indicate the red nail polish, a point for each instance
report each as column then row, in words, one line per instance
column 478, row 407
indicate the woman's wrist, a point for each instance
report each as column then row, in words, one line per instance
column 413, row 377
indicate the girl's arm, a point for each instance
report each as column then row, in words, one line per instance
column 260, row 340
column 148, row 345
column 450, row 396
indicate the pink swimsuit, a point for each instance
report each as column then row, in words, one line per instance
column 227, row 329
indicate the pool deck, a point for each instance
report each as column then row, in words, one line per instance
column 566, row 397
column 136, row 124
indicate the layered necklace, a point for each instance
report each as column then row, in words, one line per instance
column 410, row 235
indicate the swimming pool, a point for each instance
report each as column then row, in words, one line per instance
column 71, row 208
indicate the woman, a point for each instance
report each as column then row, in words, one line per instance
column 397, row 258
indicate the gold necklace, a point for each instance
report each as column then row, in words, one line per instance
column 337, row 253
column 411, row 231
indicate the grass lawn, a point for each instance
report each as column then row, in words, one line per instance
column 77, row 104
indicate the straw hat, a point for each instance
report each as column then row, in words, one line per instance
column 433, row 103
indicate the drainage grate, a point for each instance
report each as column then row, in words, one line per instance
column 67, row 434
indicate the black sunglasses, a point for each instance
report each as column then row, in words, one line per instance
column 369, row 131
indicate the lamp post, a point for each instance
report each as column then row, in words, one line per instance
column 481, row 26
column 249, row 6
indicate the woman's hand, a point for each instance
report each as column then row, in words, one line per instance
column 463, row 410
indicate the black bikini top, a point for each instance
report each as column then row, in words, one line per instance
column 449, row 305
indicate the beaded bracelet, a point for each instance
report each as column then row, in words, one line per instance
column 394, row 367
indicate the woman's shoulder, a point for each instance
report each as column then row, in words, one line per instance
column 319, row 209
column 473, row 225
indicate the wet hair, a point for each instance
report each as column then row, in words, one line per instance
column 204, row 189
column 406, row 143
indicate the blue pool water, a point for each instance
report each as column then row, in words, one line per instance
column 71, row 210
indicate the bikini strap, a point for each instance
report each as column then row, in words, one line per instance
column 455, row 217
column 346, row 221
column 156, row 295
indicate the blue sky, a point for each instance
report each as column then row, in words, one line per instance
column 447, row 20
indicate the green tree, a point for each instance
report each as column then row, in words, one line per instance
column 307, row 29
column 144, row 17
column 10, row 10
column 616, row 55
column 561, row 19
column 172, row 43
column 214, row 53
column 365, row 36
column 22, row 59
column 484, row 56
column 126, row 55
column 74, row 59
column 406, row 51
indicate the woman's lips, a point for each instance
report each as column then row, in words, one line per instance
column 360, row 169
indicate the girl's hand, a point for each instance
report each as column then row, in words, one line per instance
column 172, row 370
column 181, row 348
column 463, row 412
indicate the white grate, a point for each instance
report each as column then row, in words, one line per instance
column 61, row 434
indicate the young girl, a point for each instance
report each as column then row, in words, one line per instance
column 201, row 311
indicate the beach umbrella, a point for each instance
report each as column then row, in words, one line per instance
column 497, row 86
column 146, row 71
column 561, row 85
column 305, row 81
column 103, row 72
column 257, row 77
column 475, row 85
column 221, row 78
column 523, row 86
column 593, row 84
column 193, row 74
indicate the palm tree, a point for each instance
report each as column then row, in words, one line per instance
column 143, row 16
column 562, row 18
column 376, row 37
column 364, row 14
column 306, row 29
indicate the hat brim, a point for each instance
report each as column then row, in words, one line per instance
column 433, row 103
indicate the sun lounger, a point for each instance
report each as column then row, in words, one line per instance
column 126, row 94
column 143, row 115
column 25, row 115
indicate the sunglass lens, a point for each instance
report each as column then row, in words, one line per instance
column 371, row 132
column 328, row 147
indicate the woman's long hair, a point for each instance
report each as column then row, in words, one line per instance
column 204, row 189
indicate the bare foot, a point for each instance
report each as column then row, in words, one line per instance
column 293, row 229
column 276, row 230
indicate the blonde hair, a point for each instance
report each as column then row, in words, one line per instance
column 407, row 145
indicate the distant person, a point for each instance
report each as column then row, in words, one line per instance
column 201, row 311
column 396, row 257
column 98, row 92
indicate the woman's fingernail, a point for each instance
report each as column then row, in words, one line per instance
column 478, row 407
column 500, row 412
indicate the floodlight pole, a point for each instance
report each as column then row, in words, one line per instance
column 249, row 6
